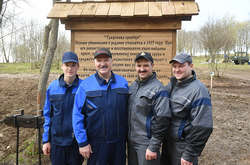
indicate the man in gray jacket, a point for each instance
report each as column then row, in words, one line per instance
column 148, row 114
column 191, row 123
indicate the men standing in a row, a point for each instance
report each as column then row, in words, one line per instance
column 191, row 122
column 100, row 117
column 149, row 114
column 100, row 114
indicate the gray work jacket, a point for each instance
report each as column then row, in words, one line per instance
column 191, row 121
column 148, row 113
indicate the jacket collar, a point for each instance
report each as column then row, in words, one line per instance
column 102, row 81
column 142, row 82
column 62, row 83
column 185, row 81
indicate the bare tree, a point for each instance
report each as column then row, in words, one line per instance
column 5, row 56
column 213, row 41
column 181, row 41
column 52, row 44
column 4, row 5
column 229, row 36
column 7, row 36
column 247, row 37
column 1, row 7
column 63, row 45
column 243, row 40
column 188, row 41
column 8, row 26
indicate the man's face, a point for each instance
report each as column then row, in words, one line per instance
column 182, row 71
column 70, row 69
column 144, row 68
column 103, row 64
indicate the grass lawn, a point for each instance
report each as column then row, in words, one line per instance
column 200, row 62
column 15, row 68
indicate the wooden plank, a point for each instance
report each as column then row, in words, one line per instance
column 53, row 12
column 102, row 9
column 65, row 9
column 168, row 8
column 182, row 0
column 141, row 8
column 155, row 9
column 186, row 8
column 192, row 8
column 77, row 10
column 127, row 9
column 115, row 9
column 89, row 9
column 179, row 8
column 60, row 10
column 129, row 25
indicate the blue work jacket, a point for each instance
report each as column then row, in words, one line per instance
column 100, row 110
column 58, row 112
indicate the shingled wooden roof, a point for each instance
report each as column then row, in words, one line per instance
column 183, row 9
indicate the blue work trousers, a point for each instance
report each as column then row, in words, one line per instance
column 108, row 153
column 68, row 155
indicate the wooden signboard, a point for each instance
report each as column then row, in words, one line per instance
column 125, row 46
column 126, row 28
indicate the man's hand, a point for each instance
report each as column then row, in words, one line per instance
column 46, row 148
column 184, row 162
column 85, row 151
column 150, row 155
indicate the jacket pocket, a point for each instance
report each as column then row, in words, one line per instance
column 57, row 114
column 56, row 104
column 146, row 109
column 93, row 100
column 145, row 98
column 90, row 106
column 180, row 106
column 94, row 115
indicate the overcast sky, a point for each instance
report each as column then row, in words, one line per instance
column 240, row 9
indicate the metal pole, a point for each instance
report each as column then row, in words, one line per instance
column 17, row 139
column 211, row 80
column 39, row 138
column 17, row 145
column 17, row 133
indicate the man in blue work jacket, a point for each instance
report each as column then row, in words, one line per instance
column 100, row 114
column 58, row 137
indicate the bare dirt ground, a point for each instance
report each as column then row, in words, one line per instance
column 228, row 145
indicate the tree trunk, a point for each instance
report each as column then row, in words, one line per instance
column 45, row 43
column 1, row 7
column 247, row 44
column 49, row 48
column 6, row 58
column 47, row 65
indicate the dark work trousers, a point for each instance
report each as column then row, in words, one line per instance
column 172, row 151
column 68, row 155
column 108, row 153
column 136, row 155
